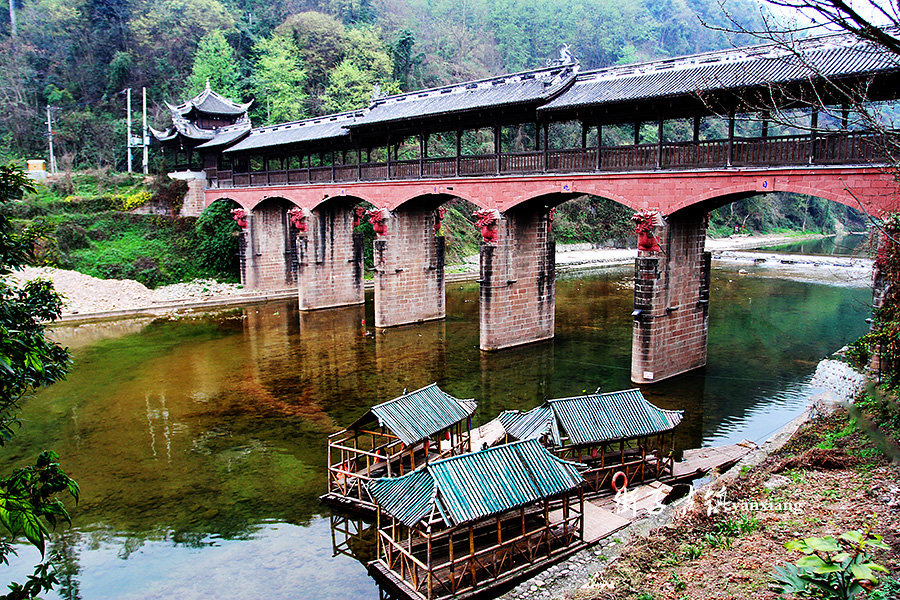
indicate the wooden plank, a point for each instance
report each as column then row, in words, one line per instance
column 702, row 460
column 600, row 523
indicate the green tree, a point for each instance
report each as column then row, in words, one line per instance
column 321, row 40
column 366, row 63
column 215, row 63
column 279, row 80
column 28, row 360
column 167, row 33
column 349, row 88
column 217, row 240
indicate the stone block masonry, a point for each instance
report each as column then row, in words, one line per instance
column 518, row 281
column 409, row 269
column 671, row 301
column 330, row 259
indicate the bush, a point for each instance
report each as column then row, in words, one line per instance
column 217, row 240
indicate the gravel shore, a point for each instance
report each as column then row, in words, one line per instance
column 85, row 295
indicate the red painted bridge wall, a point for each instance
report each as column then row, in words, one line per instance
column 666, row 191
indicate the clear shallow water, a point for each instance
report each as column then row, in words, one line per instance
column 199, row 443
column 844, row 245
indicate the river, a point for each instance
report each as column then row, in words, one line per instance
column 199, row 442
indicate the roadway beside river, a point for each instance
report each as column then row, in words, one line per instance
column 89, row 298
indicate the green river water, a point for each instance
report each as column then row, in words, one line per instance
column 199, row 442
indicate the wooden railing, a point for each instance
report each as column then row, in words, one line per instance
column 427, row 568
column 824, row 148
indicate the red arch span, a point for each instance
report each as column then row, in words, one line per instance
column 666, row 191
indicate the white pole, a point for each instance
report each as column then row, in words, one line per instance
column 50, row 140
column 12, row 18
column 128, row 124
column 145, row 138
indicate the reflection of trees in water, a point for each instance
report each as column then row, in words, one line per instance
column 65, row 550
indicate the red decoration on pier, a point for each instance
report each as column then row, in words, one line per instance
column 376, row 218
column 358, row 213
column 298, row 219
column 240, row 216
column 439, row 219
column 487, row 222
column 551, row 216
column 644, row 222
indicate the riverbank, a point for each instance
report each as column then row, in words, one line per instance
column 88, row 298
column 818, row 475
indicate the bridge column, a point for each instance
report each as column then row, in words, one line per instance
column 518, row 281
column 330, row 260
column 671, row 302
column 409, row 269
column 269, row 254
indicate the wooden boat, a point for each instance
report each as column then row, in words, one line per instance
column 464, row 525
column 393, row 438
column 619, row 435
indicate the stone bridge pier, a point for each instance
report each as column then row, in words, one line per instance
column 330, row 258
column 409, row 267
column 518, row 279
column 671, row 301
column 268, row 247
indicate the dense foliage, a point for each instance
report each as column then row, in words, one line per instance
column 217, row 240
column 884, row 339
column 29, row 505
column 296, row 59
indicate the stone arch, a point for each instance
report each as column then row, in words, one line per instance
column 271, row 250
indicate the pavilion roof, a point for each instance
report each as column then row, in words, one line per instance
column 836, row 55
column 472, row 486
column 592, row 419
column 417, row 415
column 211, row 103
column 307, row 130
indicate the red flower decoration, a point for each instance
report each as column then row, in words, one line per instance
column 298, row 219
column 240, row 216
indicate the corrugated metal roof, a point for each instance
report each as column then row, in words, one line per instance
column 530, row 425
column 518, row 88
column 827, row 56
column 611, row 416
column 320, row 128
column 417, row 415
column 591, row 419
column 473, row 486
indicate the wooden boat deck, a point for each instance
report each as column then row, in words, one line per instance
column 696, row 463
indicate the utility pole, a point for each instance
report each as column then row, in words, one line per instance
column 12, row 17
column 128, row 124
column 50, row 140
column 145, row 137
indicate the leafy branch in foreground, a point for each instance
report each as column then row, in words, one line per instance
column 834, row 568
column 29, row 503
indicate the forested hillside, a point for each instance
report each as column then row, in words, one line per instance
column 298, row 58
